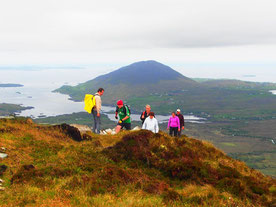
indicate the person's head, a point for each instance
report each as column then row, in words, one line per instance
column 178, row 111
column 148, row 108
column 120, row 104
column 173, row 114
column 100, row 91
column 151, row 115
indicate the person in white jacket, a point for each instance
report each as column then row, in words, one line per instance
column 151, row 123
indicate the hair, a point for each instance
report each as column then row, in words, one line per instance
column 148, row 106
column 151, row 113
column 100, row 90
column 173, row 112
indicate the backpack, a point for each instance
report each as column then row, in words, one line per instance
column 124, row 109
column 89, row 102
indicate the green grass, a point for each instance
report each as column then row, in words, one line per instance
column 8, row 109
column 228, row 144
column 46, row 167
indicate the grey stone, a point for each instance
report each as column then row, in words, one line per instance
column 3, row 155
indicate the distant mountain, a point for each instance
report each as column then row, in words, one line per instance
column 138, row 79
column 144, row 72
column 150, row 82
column 5, row 85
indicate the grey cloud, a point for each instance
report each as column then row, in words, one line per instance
column 35, row 26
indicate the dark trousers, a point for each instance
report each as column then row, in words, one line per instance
column 173, row 130
column 97, row 122
column 179, row 132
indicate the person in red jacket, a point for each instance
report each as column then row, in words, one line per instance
column 174, row 125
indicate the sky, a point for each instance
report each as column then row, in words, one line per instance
column 199, row 34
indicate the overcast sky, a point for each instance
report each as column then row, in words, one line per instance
column 123, row 31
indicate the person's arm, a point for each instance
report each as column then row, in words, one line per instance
column 156, row 126
column 169, row 123
column 98, row 104
column 178, row 123
column 142, row 117
column 125, row 118
column 181, row 119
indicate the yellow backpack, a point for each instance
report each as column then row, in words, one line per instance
column 89, row 102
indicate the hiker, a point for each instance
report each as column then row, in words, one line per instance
column 124, row 116
column 145, row 113
column 173, row 125
column 181, row 119
column 96, row 111
column 151, row 123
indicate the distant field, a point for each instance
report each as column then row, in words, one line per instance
column 240, row 141
column 8, row 109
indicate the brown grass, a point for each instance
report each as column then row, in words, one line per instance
column 47, row 168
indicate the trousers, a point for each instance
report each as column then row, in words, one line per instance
column 174, row 130
column 97, row 122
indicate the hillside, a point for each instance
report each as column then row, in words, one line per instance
column 138, row 79
column 46, row 167
column 8, row 109
column 236, row 84
column 150, row 82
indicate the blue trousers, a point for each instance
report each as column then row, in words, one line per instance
column 97, row 122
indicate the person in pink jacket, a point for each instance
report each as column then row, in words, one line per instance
column 173, row 125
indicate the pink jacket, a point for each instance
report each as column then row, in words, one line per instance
column 174, row 122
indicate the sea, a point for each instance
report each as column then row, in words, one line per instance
column 39, row 85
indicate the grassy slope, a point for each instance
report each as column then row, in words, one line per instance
column 46, row 167
column 247, row 141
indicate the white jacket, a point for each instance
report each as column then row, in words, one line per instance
column 151, row 124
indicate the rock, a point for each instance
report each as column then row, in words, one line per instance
column 71, row 131
column 28, row 167
column 3, row 155
column 103, row 132
column 81, row 128
column 1, row 181
column 2, row 188
column 136, row 128
column 109, row 131
column 3, row 168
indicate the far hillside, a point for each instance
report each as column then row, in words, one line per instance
column 136, row 80
column 150, row 82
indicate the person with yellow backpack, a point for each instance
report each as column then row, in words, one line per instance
column 93, row 104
